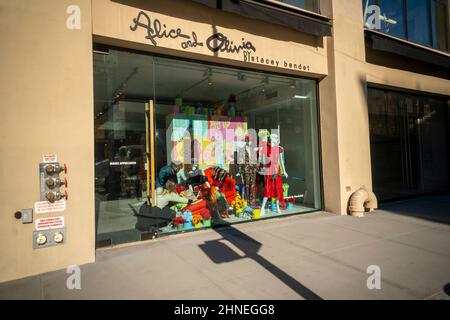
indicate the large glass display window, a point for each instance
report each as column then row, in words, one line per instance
column 202, row 145
column 409, row 144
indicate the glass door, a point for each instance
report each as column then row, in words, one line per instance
column 122, row 143
column 409, row 144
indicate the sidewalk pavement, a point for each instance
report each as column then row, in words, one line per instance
column 312, row 256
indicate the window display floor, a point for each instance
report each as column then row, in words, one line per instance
column 117, row 220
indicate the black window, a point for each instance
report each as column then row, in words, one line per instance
column 420, row 21
column 394, row 20
column 310, row 5
column 439, row 24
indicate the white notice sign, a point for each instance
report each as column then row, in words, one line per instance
column 49, row 223
column 46, row 158
column 48, row 207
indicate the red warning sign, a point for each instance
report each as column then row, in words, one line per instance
column 49, row 223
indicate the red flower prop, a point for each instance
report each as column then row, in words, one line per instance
column 178, row 220
column 206, row 215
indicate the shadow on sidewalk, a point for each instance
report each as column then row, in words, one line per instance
column 219, row 252
column 431, row 208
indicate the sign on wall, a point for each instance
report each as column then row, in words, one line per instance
column 49, row 223
column 48, row 207
column 287, row 50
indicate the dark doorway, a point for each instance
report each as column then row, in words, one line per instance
column 409, row 144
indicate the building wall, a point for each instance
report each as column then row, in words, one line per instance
column 408, row 80
column 46, row 107
column 343, row 100
column 344, row 115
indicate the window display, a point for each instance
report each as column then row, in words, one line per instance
column 225, row 140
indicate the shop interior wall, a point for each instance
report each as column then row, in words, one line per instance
column 47, row 107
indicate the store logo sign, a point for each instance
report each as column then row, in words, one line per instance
column 217, row 42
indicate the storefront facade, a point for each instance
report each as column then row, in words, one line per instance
column 120, row 90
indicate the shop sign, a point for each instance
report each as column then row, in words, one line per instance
column 48, row 207
column 218, row 42
column 49, row 223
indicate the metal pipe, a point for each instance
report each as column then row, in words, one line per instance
column 362, row 201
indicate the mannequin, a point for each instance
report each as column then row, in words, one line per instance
column 273, row 172
column 248, row 171
column 167, row 195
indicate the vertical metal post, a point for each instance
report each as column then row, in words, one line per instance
column 147, row 151
column 150, row 152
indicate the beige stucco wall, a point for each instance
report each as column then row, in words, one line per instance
column 344, row 116
column 46, row 107
column 406, row 80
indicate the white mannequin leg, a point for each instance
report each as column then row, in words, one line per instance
column 263, row 206
column 278, row 206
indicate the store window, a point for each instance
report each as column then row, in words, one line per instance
column 409, row 144
column 440, row 24
column 230, row 145
column 420, row 21
column 310, row 5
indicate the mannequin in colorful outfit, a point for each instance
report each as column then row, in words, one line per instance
column 273, row 171
column 248, row 171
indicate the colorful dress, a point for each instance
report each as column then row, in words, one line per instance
column 273, row 179
column 248, row 172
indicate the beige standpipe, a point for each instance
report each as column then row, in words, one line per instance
column 149, row 152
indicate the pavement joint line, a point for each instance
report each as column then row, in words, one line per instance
column 339, row 262
column 377, row 236
column 391, row 239
column 419, row 248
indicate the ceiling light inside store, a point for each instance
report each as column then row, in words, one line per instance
column 300, row 97
column 210, row 83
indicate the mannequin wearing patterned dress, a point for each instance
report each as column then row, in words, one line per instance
column 273, row 173
column 248, row 172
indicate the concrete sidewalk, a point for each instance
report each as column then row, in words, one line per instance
column 313, row 256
